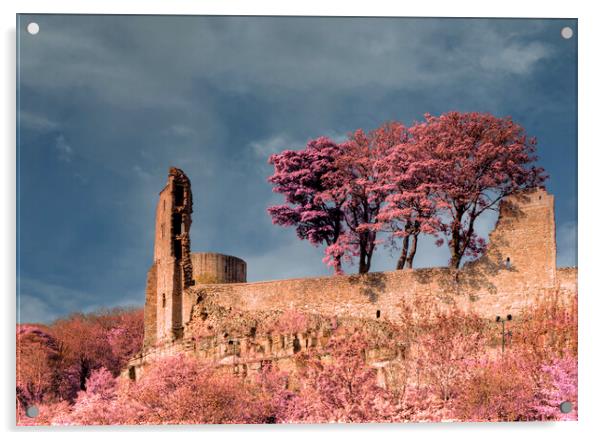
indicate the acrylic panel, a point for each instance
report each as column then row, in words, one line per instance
column 229, row 219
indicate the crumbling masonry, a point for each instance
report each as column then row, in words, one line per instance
column 201, row 303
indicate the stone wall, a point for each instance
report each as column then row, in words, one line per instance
column 518, row 269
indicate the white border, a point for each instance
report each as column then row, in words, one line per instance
column 590, row 307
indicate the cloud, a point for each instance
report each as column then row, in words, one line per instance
column 36, row 122
column 65, row 152
column 516, row 59
column 42, row 301
column 180, row 130
column 268, row 54
column 274, row 144
column 32, row 309
column 140, row 172
column 264, row 148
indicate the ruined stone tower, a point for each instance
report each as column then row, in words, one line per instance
column 174, row 268
column 171, row 271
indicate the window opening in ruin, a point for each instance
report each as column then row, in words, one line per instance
column 377, row 314
column 163, row 300
column 164, row 205
column 177, row 252
column 177, row 224
column 507, row 262
column 162, row 230
column 179, row 194
column 132, row 373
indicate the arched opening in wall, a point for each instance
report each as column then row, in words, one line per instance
column 377, row 314
column 132, row 373
column 163, row 300
column 507, row 263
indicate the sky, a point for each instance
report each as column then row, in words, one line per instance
column 106, row 104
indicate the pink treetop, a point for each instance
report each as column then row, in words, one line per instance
column 360, row 180
column 299, row 176
column 408, row 209
column 472, row 161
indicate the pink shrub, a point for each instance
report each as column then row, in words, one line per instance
column 101, row 383
column 443, row 369
column 500, row 389
column 175, row 390
column 558, row 385
column 341, row 388
column 445, row 349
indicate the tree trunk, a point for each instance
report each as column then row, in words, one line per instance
column 455, row 261
column 362, row 268
column 404, row 253
column 454, row 244
column 410, row 261
column 337, row 265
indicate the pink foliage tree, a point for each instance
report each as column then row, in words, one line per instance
column 409, row 208
column 38, row 364
column 91, row 341
column 360, row 180
column 437, row 177
column 472, row 161
column 300, row 177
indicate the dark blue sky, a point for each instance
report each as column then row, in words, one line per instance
column 108, row 103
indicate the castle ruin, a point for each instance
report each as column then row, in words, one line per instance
column 200, row 303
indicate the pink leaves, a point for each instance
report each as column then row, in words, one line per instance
column 432, row 366
column 436, row 177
